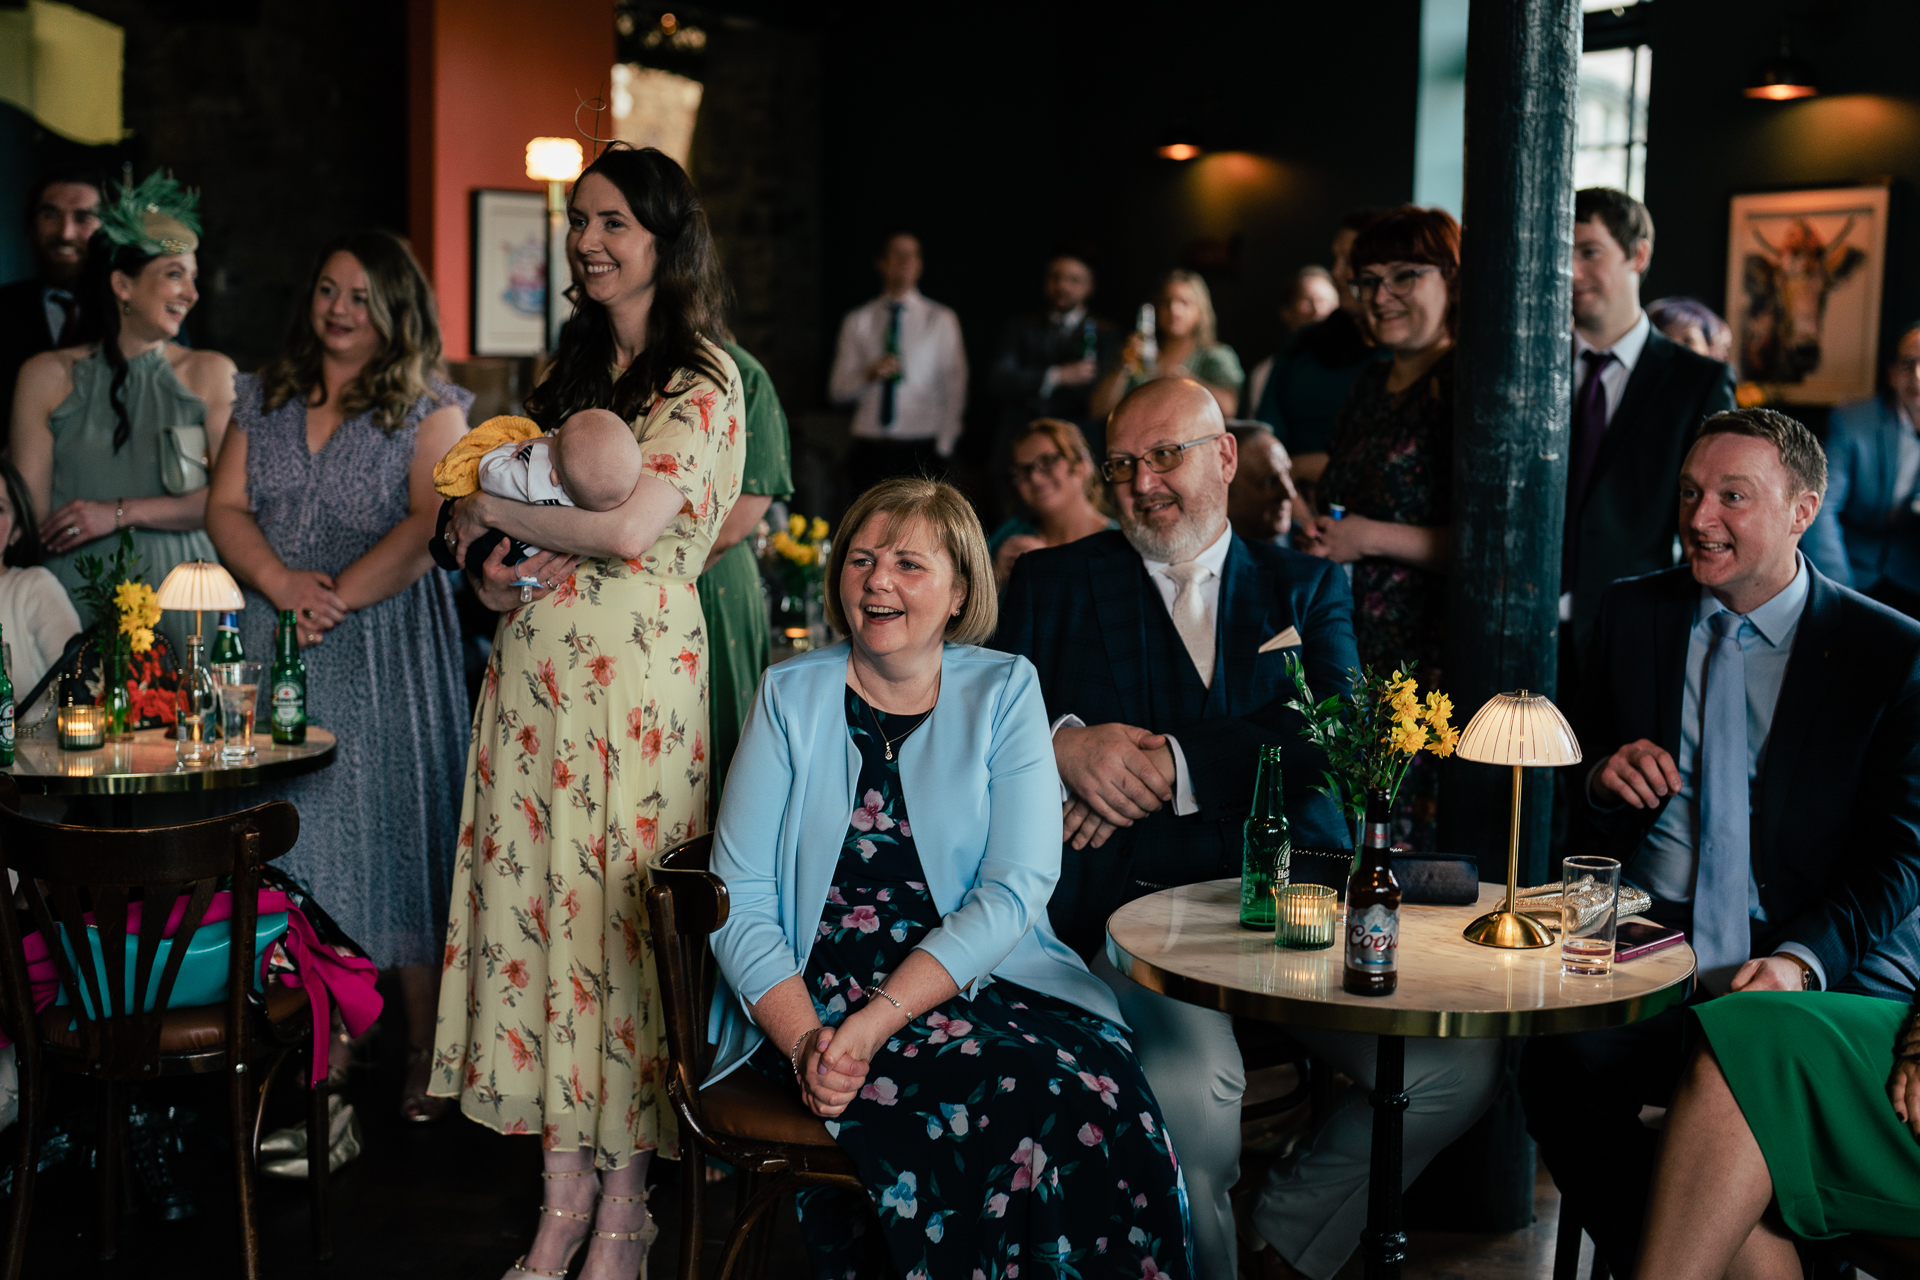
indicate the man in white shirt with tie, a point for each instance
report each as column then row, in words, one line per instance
column 1638, row 399
column 1162, row 654
column 900, row 363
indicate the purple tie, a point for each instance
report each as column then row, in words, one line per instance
column 1589, row 426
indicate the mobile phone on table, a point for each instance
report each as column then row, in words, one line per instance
column 1635, row 938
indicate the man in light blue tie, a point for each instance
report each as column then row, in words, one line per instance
column 1757, row 732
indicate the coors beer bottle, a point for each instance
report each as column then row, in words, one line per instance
column 1373, row 908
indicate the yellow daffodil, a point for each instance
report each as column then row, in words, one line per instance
column 796, row 525
column 819, row 529
column 140, row 639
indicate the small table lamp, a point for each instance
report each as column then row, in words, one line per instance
column 1523, row 730
column 198, row 585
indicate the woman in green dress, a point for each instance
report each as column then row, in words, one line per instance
column 1187, row 348
column 1785, row 1103
column 739, row 646
column 91, row 423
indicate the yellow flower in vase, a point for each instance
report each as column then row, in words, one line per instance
column 818, row 529
column 796, row 525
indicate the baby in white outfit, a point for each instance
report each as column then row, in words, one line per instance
column 591, row 461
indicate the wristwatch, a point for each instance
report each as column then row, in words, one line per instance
column 1806, row 970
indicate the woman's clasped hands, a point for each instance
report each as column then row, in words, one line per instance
column 834, row 1063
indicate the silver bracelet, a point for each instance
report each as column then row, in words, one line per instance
column 878, row 990
column 793, row 1054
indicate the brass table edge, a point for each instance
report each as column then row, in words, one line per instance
column 220, row 778
column 1267, row 1006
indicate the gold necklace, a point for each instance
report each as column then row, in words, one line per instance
column 885, row 741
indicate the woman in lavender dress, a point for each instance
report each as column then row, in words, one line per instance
column 323, row 503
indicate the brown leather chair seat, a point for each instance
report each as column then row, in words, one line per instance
column 748, row 1105
column 195, row 1029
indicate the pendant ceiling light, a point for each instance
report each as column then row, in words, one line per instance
column 1783, row 76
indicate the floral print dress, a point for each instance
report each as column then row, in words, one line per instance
column 1010, row 1134
column 589, row 755
column 1391, row 458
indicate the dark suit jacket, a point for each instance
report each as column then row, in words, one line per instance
column 1836, row 804
column 1078, row 613
column 1632, row 503
column 1031, row 346
column 23, row 335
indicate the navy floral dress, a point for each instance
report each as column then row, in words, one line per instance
column 1012, row 1134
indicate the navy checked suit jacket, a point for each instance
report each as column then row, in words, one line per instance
column 1077, row 612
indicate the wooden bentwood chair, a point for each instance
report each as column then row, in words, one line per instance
column 776, row 1144
column 65, row 872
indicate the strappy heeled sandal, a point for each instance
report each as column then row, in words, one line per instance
column 520, row 1264
column 646, row 1235
column 422, row 1107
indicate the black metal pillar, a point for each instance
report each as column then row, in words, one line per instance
column 1513, row 406
column 1383, row 1245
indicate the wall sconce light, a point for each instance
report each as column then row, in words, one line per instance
column 1783, row 77
column 1178, row 144
column 556, row 162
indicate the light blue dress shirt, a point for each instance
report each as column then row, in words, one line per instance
column 1668, row 859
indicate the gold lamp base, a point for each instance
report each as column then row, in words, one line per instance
column 1508, row 929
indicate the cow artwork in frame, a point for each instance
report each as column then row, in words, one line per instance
column 1804, row 273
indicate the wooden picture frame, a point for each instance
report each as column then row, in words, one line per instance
column 1805, row 272
column 509, row 280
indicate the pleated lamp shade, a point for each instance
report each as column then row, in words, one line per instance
column 197, row 585
column 1519, row 729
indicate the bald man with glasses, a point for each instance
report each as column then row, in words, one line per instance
column 1161, row 649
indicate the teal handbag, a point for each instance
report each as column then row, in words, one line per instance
column 203, row 970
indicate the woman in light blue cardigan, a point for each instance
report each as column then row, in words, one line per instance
column 889, row 839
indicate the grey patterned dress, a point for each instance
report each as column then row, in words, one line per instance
column 377, row 830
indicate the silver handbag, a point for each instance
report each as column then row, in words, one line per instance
column 1545, row 901
column 184, row 466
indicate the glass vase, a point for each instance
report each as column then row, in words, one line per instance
column 114, row 697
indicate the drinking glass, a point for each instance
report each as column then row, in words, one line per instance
column 1589, row 915
column 239, row 685
column 1305, row 916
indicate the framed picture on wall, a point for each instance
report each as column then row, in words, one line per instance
column 1804, row 274
column 509, row 273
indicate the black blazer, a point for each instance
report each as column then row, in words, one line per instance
column 1632, row 503
column 1078, row 613
column 23, row 335
column 1030, row 346
column 1836, row 804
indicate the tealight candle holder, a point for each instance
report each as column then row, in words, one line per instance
column 1304, row 916
column 83, row 728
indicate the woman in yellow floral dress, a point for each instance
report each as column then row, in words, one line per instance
column 589, row 749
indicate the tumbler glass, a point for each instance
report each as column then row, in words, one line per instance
column 239, row 686
column 1589, row 915
column 1305, row 916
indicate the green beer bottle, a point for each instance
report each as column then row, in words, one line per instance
column 1267, row 853
column 226, row 640
column 6, row 708
column 289, row 680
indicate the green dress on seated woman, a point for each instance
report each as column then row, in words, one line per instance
column 86, row 465
column 1810, row 1073
column 739, row 645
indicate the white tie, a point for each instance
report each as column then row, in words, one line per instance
column 1190, row 616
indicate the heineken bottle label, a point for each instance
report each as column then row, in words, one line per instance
column 1372, row 939
column 6, row 727
column 289, row 704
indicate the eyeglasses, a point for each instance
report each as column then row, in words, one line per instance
column 1399, row 284
column 1119, row 468
column 1046, row 462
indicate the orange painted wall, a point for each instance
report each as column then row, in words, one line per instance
column 487, row 75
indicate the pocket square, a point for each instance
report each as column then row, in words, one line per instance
column 1288, row 639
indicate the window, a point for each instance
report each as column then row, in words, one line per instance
column 1610, row 149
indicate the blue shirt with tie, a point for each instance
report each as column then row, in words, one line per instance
column 1667, row 861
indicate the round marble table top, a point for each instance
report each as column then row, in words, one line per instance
column 145, row 764
column 1187, row 943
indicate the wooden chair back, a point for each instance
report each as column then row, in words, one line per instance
column 685, row 905
column 70, row 873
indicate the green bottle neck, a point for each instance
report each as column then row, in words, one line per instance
column 1269, row 795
